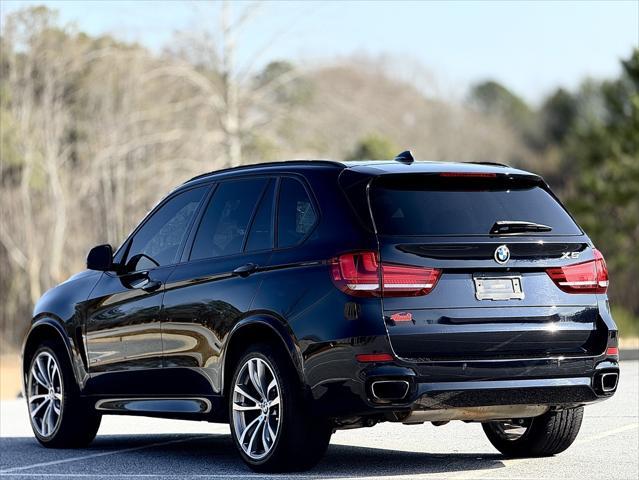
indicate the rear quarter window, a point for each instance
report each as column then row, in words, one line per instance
column 432, row 205
column 296, row 216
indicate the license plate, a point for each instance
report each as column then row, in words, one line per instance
column 498, row 288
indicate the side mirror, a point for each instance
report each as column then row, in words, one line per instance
column 100, row 258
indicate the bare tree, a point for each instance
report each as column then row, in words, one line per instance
column 111, row 127
column 86, row 129
column 240, row 103
column 37, row 82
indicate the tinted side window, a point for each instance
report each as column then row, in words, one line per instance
column 226, row 219
column 159, row 239
column 296, row 216
column 261, row 233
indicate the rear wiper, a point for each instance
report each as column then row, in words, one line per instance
column 516, row 226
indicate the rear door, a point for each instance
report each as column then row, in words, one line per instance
column 213, row 288
column 491, row 295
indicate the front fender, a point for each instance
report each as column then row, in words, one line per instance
column 50, row 327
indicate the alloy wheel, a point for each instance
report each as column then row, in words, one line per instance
column 257, row 409
column 44, row 394
column 512, row 430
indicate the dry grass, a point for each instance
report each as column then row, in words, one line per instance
column 9, row 376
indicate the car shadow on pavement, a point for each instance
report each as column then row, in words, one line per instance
column 180, row 455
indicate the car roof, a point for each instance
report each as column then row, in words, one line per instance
column 369, row 167
column 382, row 167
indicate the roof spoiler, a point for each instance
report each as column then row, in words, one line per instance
column 491, row 163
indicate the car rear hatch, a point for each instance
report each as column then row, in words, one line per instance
column 471, row 268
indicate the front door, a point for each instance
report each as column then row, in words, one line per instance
column 122, row 330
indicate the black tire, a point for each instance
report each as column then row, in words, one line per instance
column 78, row 423
column 302, row 438
column 544, row 436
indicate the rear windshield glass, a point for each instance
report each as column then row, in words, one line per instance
column 436, row 205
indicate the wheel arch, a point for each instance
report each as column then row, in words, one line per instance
column 48, row 328
column 253, row 330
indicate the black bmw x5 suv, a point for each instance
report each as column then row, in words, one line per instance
column 292, row 299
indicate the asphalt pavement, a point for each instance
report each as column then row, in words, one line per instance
column 140, row 448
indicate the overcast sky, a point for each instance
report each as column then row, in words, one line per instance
column 530, row 47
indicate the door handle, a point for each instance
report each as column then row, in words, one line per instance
column 151, row 286
column 245, row 270
column 147, row 285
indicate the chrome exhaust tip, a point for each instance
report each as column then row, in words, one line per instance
column 389, row 390
column 608, row 381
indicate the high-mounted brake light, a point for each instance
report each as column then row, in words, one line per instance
column 359, row 274
column 467, row 174
column 586, row 277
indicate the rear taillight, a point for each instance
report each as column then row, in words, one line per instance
column 401, row 280
column 586, row 277
column 356, row 273
column 359, row 274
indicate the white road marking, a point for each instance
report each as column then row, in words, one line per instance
column 607, row 433
column 472, row 475
column 100, row 454
column 513, row 461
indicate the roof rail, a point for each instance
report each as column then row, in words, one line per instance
column 491, row 163
column 267, row 164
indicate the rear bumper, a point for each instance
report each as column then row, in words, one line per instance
column 551, row 392
column 561, row 386
column 551, row 383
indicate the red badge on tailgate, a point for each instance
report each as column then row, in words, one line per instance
column 402, row 317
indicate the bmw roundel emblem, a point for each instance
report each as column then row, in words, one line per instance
column 502, row 254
